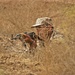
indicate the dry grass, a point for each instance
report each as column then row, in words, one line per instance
column 57, row 58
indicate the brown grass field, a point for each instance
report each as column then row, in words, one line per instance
column 57, row 58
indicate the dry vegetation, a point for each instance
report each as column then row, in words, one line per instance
column 57, row 58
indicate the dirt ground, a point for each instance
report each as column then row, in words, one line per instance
column 56, row 58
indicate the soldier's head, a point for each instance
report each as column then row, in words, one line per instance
column 44, row 21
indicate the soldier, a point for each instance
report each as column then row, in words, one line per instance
column 44, row 27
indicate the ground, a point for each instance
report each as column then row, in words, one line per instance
column 57, row 58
